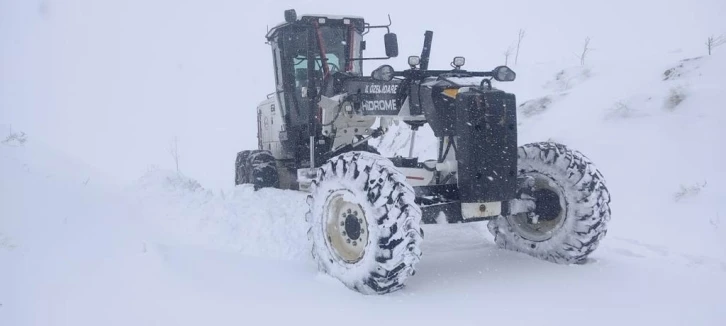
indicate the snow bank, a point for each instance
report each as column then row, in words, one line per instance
column 57, row 224
column 265, row 223
column 74, row 252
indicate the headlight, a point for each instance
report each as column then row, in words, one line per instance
column 414, row 60
column 458, row 62
column 347, row 107
column 383, row 73
column 503, row 74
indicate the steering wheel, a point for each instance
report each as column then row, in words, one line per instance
column 333, row 67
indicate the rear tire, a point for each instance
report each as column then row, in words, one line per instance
column 240, row 168
column 364, row 225
column 257, row 167
column 572, row 206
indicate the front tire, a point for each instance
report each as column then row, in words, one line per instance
column 364, row 225
column 572, row 206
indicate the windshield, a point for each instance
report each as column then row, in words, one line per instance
column 339, row 44
column 339, row 47
column 326, row 43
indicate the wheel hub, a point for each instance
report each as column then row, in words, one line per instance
column 547, row 204
column 548, row 215
column 352, row 227
column 346, row 227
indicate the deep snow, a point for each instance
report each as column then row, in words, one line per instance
column 76, row 248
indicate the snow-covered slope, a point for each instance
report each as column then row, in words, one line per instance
column 166, row 250
column 57, row 227
column 267, row 223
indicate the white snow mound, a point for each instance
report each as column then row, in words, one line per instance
column 265, row 223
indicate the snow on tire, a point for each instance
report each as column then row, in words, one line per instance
column 364, row 225
column 263, row 169
column 572, row 206
column 240, row 168
column 257, row 167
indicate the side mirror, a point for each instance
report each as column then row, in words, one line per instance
column 383, row 73
column 503, row 74
column 391, row 42
column 290, row 15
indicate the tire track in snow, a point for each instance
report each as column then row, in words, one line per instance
column 637, row 249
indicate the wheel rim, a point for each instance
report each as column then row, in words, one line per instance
column 346, row 228
column 551, row 210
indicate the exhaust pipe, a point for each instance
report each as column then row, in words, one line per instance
column 426, row 52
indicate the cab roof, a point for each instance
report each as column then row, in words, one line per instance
column 305, row 20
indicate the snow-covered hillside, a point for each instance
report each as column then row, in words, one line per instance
column 76, row 250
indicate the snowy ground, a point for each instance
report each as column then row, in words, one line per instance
column 78, row 249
